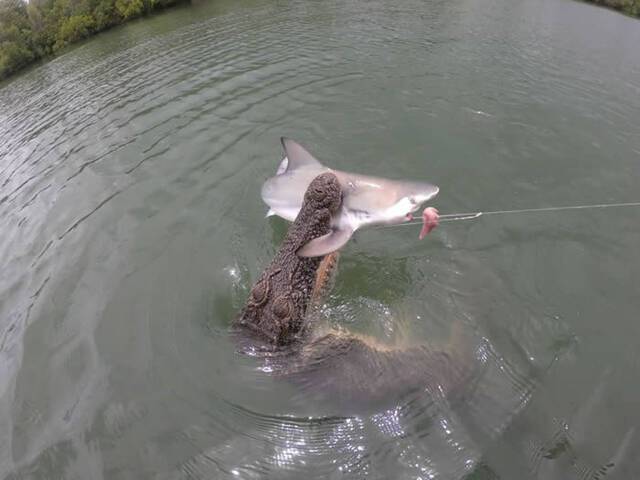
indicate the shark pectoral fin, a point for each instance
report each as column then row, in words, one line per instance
column 297, row 155
column 326, row 244
column 270, row 213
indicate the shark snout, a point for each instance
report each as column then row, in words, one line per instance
column 417, row 199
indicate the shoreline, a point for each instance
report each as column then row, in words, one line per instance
column 34, row 37
column 630, row 8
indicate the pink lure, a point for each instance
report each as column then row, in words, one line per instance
column 430, row 219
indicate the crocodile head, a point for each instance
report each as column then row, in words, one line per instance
column 277, row 304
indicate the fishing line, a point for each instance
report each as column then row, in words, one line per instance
column 454, row 217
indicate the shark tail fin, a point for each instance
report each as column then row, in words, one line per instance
column 329, row 243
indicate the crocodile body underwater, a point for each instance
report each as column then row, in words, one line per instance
column 333, row 365
column 355, row 373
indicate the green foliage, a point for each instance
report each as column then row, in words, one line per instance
column 630, row 7
column 129, row 8
column 13, row 56
column 105, row 14
column 633, row 8
column 29, row 31
column 73, row 29
column 15, row 38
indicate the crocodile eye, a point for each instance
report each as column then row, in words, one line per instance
column 259, row 292
column 282, row 307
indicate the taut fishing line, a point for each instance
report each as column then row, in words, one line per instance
column 454, row 217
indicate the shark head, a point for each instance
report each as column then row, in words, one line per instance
column 367, row 200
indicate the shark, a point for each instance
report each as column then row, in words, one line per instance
column 366, row 200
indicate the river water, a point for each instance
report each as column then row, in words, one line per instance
column 132, row 228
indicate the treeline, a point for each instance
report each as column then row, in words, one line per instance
column 39, row 28
column 630, row 7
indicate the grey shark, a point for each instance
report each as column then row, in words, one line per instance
column 366, row 200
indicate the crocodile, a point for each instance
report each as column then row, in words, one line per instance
column 339, row 366
column 356, row 373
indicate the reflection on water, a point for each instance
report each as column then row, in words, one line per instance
column 132, row 229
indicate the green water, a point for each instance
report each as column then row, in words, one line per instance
column 132, row 228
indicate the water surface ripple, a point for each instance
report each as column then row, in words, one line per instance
column 132, row 229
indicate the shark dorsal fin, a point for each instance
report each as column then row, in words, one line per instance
column 326, row 244
column 297, row 155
